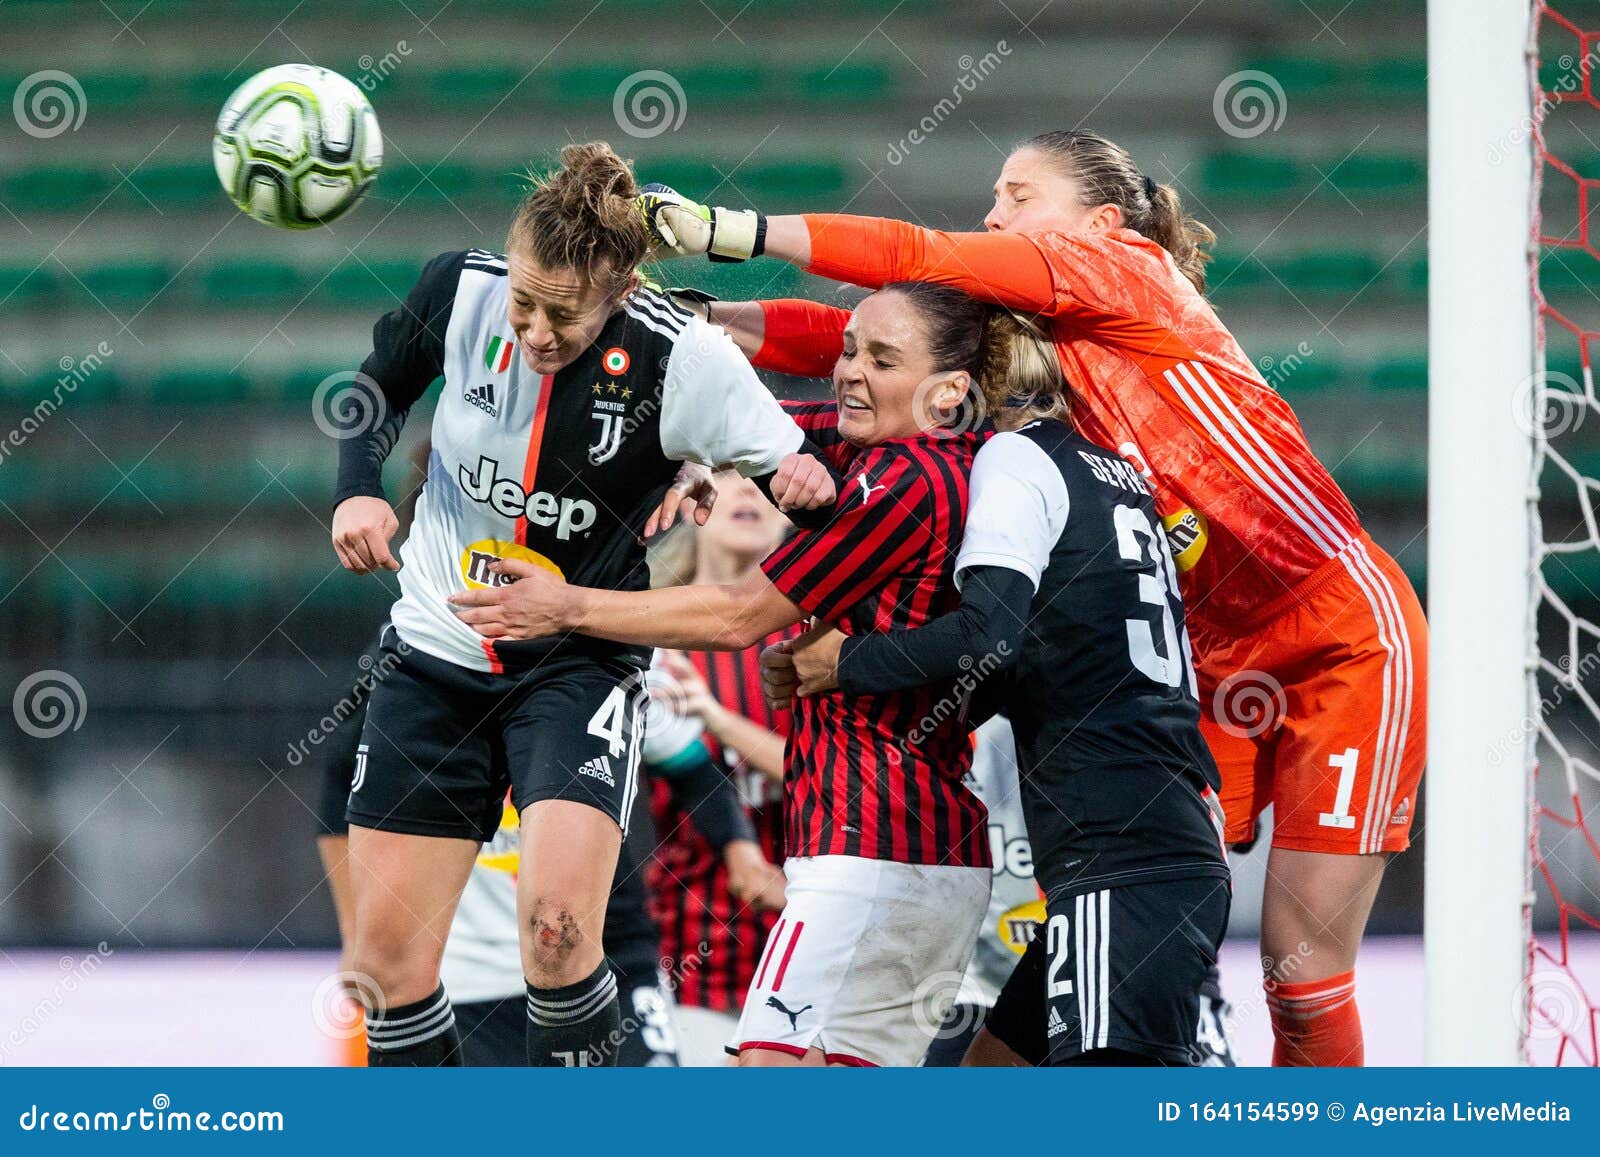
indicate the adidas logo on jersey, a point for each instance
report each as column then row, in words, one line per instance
column 483, row 398
column 599, row 768
column 506, row 497
column 1058, row 1024
column 1402, row 814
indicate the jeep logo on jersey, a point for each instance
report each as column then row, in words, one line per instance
column 506, row 497
column 497, row 354
column 476, row 559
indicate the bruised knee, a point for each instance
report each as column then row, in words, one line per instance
column 555, row 936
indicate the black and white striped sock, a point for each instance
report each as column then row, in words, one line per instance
column 421, row 1034
column 579, row 1025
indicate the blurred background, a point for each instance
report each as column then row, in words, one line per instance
column 163, row 534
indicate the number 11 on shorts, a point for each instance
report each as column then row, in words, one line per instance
column 1340, row 816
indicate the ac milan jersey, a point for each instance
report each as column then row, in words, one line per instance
column 880, row 776
column 713, row 939
column 559, row 470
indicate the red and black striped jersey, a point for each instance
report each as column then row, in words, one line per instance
column 712, row 939
column 880, row 776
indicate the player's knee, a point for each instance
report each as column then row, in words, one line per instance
column 392, row 969
column 555, row 938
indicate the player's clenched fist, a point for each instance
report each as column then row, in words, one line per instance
column 801, row 482
column 778, row 679
column 362, row 528
column 681, row 227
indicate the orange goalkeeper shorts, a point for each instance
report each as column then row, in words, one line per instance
column 1320, row 710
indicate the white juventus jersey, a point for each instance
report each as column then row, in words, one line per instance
column 559, row 470
column 1015, row 909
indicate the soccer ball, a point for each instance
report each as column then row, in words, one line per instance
column 296, row 146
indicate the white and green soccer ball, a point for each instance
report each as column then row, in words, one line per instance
column 296, row 146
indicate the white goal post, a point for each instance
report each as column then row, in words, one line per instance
column 1481, row 355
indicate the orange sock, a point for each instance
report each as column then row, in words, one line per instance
column 1316, row 1022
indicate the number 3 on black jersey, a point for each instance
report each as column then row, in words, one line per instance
column 1166, row 659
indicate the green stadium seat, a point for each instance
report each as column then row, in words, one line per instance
column 718, row 82
column 120, row 90
column 174, row 188
column 583, row 83
column 198, row 385
column 789, row 181
column 851, row 82
column 369, row 284
column 1302, row 76
column 1293, row 374
column 486, row 84
column 694, row 177
column 1408, row 373
column 1397, row 77
column 1377, row 173
column 1250, row 175
column 253, row 282
column 23, row 286
column 743, row 281
column 84, row 383
column 56, row 189
column 126, row 283
column 1329, row 273
column 429, row 184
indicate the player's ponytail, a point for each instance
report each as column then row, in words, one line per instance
column 1107, row 175
column 582, row 217
column 1022, row 378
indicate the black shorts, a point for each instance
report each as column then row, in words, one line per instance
column 442, row 743
column 1119, row 968
column 335, row 756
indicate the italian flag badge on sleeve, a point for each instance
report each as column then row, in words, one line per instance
column 497, row 355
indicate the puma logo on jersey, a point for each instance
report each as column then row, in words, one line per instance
column 483, row 398
column 599, row 768
column 868, row 491
column 794, row 1017
column 505, row 496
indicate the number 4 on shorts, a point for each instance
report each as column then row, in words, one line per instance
column 606, row 723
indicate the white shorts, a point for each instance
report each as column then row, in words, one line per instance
column 865, row 960
column 704, row 1036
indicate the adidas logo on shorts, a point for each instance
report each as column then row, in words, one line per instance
column 599, row 768
column 1057, row 1024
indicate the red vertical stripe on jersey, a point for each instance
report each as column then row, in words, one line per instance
column 530, row 464
column 777, row 981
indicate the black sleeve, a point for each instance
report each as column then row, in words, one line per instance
column 983, row 636
column 808, row 519
column 407, row 355
column 705, row 793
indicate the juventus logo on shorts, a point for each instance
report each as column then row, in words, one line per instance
column 361, row 769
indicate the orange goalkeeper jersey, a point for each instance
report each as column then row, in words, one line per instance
column 1161, row 381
